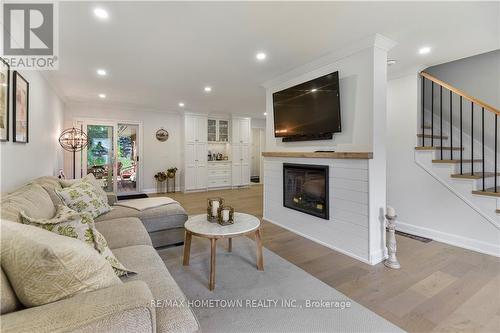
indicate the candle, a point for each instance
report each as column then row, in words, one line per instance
column 390, row 211
column 225, row 215
column 215, row 206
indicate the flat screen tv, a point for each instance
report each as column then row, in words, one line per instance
column 308, row 111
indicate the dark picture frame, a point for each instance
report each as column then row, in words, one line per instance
column 4, row 100
column 20, row 108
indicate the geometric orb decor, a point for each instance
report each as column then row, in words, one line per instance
column 73, row 139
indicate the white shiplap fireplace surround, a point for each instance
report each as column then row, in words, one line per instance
column 357, row 169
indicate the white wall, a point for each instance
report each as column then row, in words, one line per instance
column 156, row 156
column 42, row 156
column 424, row 205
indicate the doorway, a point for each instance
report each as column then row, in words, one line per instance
column 258, row 143
column 112, row 154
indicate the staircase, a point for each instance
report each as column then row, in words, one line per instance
column 458, row 145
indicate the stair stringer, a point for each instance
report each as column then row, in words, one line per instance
column 462, row 188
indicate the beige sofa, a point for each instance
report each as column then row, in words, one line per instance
column 126, row 307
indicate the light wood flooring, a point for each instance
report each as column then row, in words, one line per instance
column 440, row 288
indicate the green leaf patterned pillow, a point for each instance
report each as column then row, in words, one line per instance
column 67, row 222
column 83, row 197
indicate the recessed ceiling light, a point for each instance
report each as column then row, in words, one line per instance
column 424, row 50
column 261, row 56
column 391, row 62
column 265, row 113
column 101, row 72
column 102, row 96
column 314, row 90
column 181, row 104
column 208, row 89
column 101, row 13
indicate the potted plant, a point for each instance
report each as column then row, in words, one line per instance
column 171, row 172
column 161, row 176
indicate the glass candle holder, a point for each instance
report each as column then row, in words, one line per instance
column 225, row 215
column 213, row 205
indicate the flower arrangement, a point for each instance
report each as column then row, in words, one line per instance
column 171, row 172
column 161, row 176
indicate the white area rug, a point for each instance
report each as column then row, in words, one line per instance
column 275, row 300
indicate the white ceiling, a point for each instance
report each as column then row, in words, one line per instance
column 158, row 53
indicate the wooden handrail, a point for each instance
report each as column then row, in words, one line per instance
column 459, row 92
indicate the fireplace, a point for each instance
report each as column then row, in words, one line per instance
column 305, row 188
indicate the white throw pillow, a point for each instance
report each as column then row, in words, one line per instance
column 83, row 197
column 90, row 179
column 44, row 267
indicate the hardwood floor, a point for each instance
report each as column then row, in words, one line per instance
column 439, row 288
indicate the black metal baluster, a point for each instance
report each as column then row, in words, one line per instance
column 482, row 143
column 441, row 117
column 432, row 114
column 496, row 152
column 461, row 144
column 423, row 112
column 472, row 138
column 451, row 127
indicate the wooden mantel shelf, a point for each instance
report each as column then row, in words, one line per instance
column 336, row 155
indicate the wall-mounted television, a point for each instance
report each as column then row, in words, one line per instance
column 308, row 111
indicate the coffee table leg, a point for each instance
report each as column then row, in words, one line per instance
column 211, row 284
column 258, row 243
column 229, row 245
column 187, row 248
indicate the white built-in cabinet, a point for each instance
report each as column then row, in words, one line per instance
column 218, row 130
column 195, row 152
column 240, row 148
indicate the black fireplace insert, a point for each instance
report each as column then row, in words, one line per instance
column 305, row 188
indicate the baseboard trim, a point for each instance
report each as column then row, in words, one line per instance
column 154, row 190
column 455, row 240
column 365, row 260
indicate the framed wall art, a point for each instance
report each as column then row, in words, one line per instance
column 4, row 100
column 20, row 110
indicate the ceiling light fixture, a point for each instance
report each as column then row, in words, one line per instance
column 102, row 96
column 101, row 13
column 181, row 104
column 261, row 56
column 208, row 89
column 391, row 62
column 265, row 113
column 314, row 90
column 101, row 72
column 424, row 50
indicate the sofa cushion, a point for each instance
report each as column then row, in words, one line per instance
column 83, row 197
column 90, row 178
column 124, row 232
column 44, row 267
column 146, row 261
column 9, row 301
column 154, row 219
column 32, row 199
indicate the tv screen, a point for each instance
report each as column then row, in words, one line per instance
column 311, row 108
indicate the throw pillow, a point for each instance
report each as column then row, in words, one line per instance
column 70, row 223
column 82, row 197
column 44, row 267
column 90, row 179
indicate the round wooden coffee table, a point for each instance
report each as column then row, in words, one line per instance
column 243, row 224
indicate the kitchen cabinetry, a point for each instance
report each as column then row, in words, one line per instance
column 195, row 152
column 240, row 151
column 218, row 130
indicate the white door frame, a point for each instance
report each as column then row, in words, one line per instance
column 81, row 159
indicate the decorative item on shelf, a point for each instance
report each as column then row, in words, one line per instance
column 225, row 215
column 73, row 140
column 162, row 135
column 160, row 178
column 392, row 261
column 213, row 205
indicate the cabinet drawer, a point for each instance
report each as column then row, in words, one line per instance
column 219, row 165
column 219, row 182
column 221, row 172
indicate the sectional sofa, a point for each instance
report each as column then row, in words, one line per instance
column 125, row 307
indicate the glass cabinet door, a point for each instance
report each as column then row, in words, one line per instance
column 212, row 130
column 223, row 130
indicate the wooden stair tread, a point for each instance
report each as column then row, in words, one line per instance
column 455, row 161
column 476, row 175
column 428, row 136
column 438, row 148
column 488, row 192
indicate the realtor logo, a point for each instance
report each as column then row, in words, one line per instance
column 30, row 35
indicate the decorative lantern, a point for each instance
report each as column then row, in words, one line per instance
column 225, row 215
column 213, row 205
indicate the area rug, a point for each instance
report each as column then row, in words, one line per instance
column 282, row 298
